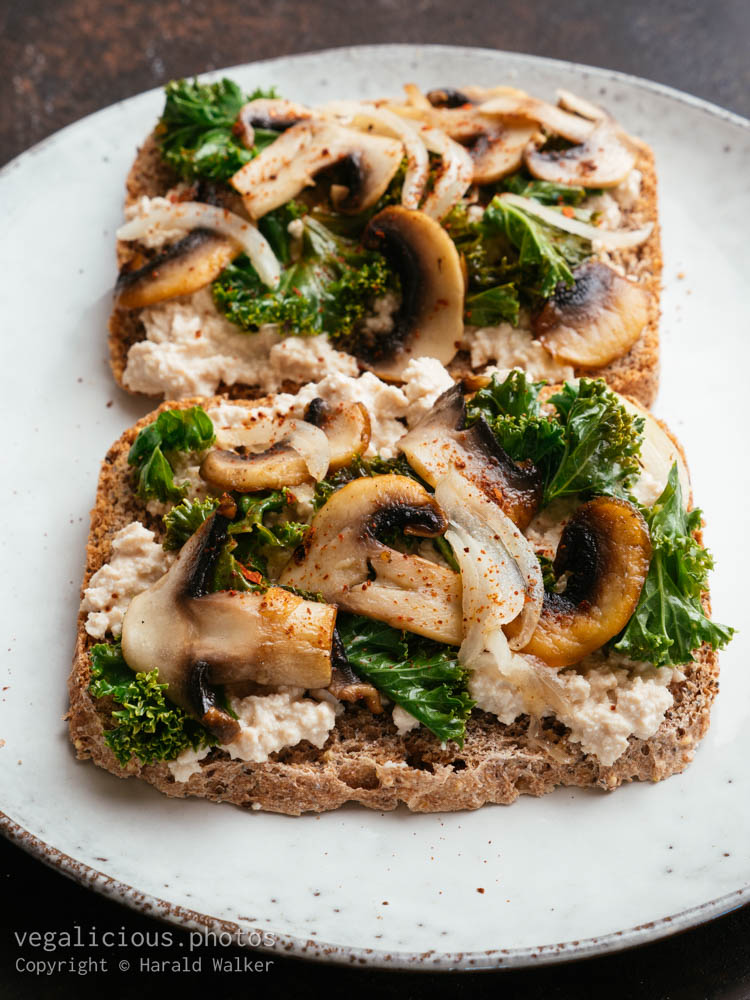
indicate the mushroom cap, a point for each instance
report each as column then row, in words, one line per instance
column 440, row 442
column 594, row 321
column 181, row 269
column 343, row 559
column 430, row 320
column 605, row 549
column 196, row 639
column 290, row 164
column 601, row 160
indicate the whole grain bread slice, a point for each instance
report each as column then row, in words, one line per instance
column 635, row 374
column 364, row 759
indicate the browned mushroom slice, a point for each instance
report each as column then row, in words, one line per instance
column 273, row 469
column 519, row 107
column 347, row 428
column 497, row 152
column 441, row 441
column 290, row 164
column 430, row 320
column 344, row 561
column 601, row 160
column 198, row 639
column 605, row 551
column 183, row 268
column 594, row 321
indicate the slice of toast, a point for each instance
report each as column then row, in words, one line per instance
column 635, row 374
column 364, row 759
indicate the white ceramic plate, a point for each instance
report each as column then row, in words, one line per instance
column 571, row 874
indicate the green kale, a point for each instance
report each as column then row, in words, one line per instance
column 545, row 254
column 173, row 430
column 147, row 725
column 545, row 192
column 549, row 577
column 423, row 677
column 327, row 289
column 257, row 543
column 515, row 396
column 602, row 442
column 512, row 410
column 243, row 561
column 492, row 306
column 184, row 519
column 669, row 623
column 197, row 131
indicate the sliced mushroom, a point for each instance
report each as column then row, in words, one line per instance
column 496, row 148
column 519, row 107
column 343, row 559
column 430, row 320
column 273, row 469
column 347, row 427
column 198, row 639
column 595, row 320
column 292, row 452
column 601, row 160
column 605, row 551
column 271, row 113
column 181, row 269
column 290, row 164
column 440, row 441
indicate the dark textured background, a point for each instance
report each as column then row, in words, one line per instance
column 62, row 59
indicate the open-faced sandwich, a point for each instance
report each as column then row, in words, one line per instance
column 438, row 594
column 269, row 243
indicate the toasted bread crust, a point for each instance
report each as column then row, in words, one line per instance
column 364, row 759
column 635, row 374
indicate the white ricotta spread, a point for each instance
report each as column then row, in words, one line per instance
column 136, row 562
column 190, row 348
column 268, row 723
column 606, row 208
column 513, row 347
column 603, row 702
column 629, row 191
column 424, row 380
column 404, row 721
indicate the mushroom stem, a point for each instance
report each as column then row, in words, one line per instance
column 199, row 639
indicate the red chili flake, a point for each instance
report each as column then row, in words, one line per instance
column 481, row 890
column 250, row 574
column 568, row 212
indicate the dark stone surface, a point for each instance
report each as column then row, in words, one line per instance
column 62, row 59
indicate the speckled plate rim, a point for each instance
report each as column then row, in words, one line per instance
column 433, row 960
column 319, row 951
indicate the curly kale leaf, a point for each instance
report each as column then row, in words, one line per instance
column 423, row 677
column 602, row 442
column 243, row 563
column 197, row 130
column 258, row 543
column 545, row 254
column 184, row 519
column 147, row 726
column 173, row 430
column 328, row 288
column 545, row 192
column 511, row 407
column 492, row 306
column 669, row 623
